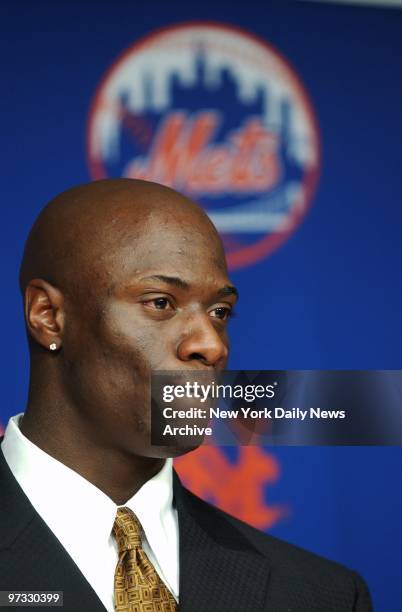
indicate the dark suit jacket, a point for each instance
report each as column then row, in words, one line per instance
column 225, row 565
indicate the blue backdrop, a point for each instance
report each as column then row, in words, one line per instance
column 330, row 297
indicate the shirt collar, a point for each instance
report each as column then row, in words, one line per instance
column 52, row 487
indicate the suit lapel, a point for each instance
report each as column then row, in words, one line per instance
column 219, row 568
column 31, row 557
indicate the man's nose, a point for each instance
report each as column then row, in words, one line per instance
column 203, row 343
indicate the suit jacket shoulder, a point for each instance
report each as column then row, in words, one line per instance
column 31, row 557
column 296, row 580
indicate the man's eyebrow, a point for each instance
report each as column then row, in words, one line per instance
column 179, row 282
column 169, row 280
column 228, row 290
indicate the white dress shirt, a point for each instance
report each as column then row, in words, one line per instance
column 63, row 499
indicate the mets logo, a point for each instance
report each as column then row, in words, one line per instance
column 219, row 115
column 238, row 487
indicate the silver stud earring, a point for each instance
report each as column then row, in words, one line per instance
column 53, row 346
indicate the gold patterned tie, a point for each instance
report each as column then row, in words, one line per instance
column 137, row 585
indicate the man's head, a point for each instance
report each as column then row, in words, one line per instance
column 124, row 277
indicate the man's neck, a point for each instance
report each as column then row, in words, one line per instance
column 117, row 473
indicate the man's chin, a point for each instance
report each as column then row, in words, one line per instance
column 175, row 450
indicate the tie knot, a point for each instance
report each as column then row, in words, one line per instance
column 127, row 530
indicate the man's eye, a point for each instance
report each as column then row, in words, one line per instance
column 160, row 303
column 221, row 313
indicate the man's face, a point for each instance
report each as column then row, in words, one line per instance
column 161, row 301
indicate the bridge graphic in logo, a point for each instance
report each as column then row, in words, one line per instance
column 219, row 115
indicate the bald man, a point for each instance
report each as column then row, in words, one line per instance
column 121, row 278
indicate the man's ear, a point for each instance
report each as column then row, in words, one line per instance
column 44, row 313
